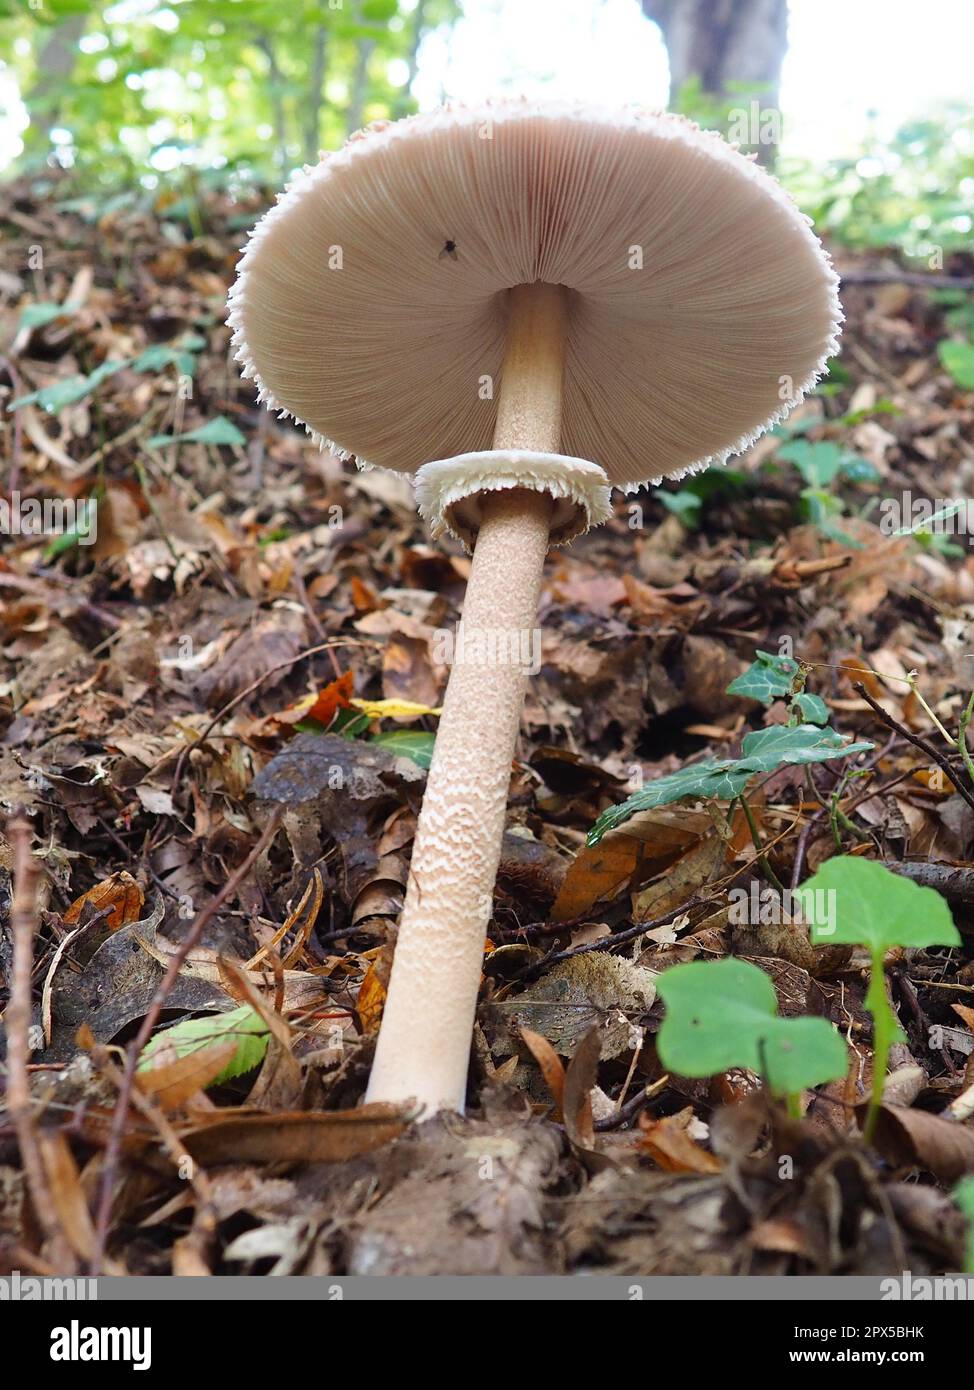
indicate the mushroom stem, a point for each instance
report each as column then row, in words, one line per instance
column 424, row 1042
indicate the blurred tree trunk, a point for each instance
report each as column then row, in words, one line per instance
column 364, row 49
column 276, row 91
column 415, row 39
column 55, row 64
column 316, row 96
column 725, row 41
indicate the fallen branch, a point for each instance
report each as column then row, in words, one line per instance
column 934, row 754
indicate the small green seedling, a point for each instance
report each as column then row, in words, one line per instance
column 964, row 1197
column 857, row 902
column 243, row 1026
column 724, row 1013
column 821, row 465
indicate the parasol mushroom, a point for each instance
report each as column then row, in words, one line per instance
column 544, row 300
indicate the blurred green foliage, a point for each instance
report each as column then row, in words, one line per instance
column 147, row 89
column 914, row 191
column 173, row 94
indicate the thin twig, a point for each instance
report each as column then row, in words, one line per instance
column 907, row 277
column 603, row 943
column 17, row 1020
column 632, row 1107
column 962, row 747
column 255, row 685
column 934, row 754
column 205, row 1220
column 763, row 862
column 114, row 1146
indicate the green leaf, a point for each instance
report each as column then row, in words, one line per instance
column 812, row 708
column 722, row 1014
column 769, row 678
column 819, row 464
column 62, row 393
column 958, row 358
column 36, row 315
column 244, row 1026
column 923, row 525
column 684, row 505
column 857, row 902
column 725, row 778
column 217, row 431
column 964, row 1197
column 408, row 743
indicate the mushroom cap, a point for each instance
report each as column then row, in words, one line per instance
column 371, row 300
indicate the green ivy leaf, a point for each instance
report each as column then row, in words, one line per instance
column 408, row 743
column 218, row 431
column 819, row 464
column 244, row 1026
column 724, row 778
column 812, row 708
column 769, row 678
column 857, row 902
column 722, row 1014
column 62, row 393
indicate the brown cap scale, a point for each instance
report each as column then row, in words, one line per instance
column 521, row 305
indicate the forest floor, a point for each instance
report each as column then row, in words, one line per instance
column 241, row 592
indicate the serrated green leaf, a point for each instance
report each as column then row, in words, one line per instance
column 217, row 431
column 857, row 902
column 769, row 678
column 762, row 751
column 243, row 1025
column 409, row 743
column 722, row 1014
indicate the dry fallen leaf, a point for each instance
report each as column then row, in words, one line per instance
column 921, row 1140
column 669, row 1144
column 296, row 1137
column 119, row 892
column 552, row 1067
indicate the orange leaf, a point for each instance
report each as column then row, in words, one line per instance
column 671, row 1147
column 334, row 697
column 371, row 1000
column 552, row 1067
column 120, row 892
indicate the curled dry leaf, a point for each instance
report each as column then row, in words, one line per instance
column 295, row 1137
column 172, row 1082
column 119, row 892
column 921, row 1140
column 577, row 1101
column 670, row 1145
column 551, row 1065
